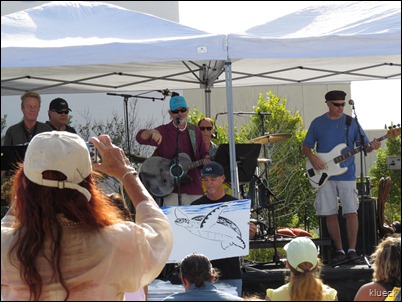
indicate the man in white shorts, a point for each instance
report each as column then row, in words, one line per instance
column 325, row 133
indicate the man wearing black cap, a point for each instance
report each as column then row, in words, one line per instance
column 324, row 134
column 213, row 177
column 58, row 115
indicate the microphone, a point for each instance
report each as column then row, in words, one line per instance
column 351, row 102
column 165, row 92
column 178, row 121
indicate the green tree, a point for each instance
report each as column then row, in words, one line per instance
column 285, row 172
column 381, row 169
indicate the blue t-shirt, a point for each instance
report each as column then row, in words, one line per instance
column 324, row 134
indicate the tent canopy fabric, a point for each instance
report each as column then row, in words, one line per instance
column 78, row 47
column 86, row 47
column 341, row 42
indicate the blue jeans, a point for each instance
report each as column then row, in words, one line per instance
column 238, row 283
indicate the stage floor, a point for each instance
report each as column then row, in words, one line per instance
column 346, row 278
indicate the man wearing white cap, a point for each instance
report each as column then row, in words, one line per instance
column 301, row 254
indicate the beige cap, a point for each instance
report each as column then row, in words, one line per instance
column 60, row 151
column 299, row 250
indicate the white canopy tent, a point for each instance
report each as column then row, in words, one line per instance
column 86, row 47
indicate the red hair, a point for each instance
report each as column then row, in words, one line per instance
column 36, row 209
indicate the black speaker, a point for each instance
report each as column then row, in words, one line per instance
column 367, row 234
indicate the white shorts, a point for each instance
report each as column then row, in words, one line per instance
column 327, row 201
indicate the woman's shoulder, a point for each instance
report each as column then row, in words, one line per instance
column 330, row 294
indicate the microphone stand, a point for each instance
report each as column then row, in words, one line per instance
column 362, row 150
column 271, row 221
column 176, row 170
column 126, row 97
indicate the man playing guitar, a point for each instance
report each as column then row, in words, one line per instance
column 325, row 133
column 175, row 138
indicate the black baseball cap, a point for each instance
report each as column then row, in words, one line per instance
column 59, row 104
column 212, row 169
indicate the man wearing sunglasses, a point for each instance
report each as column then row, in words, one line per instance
column 325, row 133
column 58, row 115
column 173, row 138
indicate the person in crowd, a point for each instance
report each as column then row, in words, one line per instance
column 22, row 132
column 324, row 134
column 198, row 276
column 58, row 115
column 63, row 239
column 304, row 282
column 206, row 126
column 386, row 270
column 213, row 177
column 179, row 136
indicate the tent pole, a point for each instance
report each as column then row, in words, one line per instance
column 232, row 149
column 207, row 102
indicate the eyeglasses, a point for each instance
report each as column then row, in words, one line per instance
column 182, row 110
column 206, row 128
column 61, row 111
column 338, row 104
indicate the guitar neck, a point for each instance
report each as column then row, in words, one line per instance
column 354, row 151
column 195, row 164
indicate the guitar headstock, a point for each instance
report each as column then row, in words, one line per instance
column 393, row 132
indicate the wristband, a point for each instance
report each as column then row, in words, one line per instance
column 132, row 171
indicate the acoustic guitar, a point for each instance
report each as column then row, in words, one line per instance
column 334, row 158
column 159, row 175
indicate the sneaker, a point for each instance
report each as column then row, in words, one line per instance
column 353, row 258
column 338, row 257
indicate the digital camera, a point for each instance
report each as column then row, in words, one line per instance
column 93, row 152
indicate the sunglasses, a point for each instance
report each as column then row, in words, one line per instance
column 205, row 128
column 61, row 111
column 338, row 104
column 182, row 110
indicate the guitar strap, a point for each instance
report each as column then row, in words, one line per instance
column 348, row 122
column 191, row 133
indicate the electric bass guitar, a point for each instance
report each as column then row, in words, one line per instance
column 159, row 175
column 334, row 158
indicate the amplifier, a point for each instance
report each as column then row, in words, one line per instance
column 365, row 186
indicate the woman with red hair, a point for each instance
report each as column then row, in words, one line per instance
column 63, row 239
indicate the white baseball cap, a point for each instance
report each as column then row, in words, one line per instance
column 60, row 151
column 299, row 250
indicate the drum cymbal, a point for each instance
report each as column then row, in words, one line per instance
column 271, row 138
